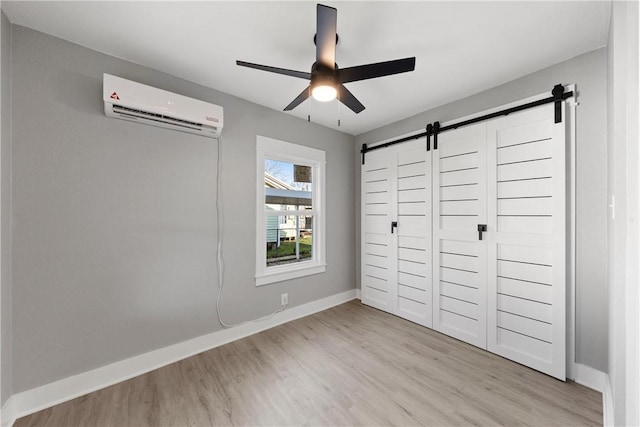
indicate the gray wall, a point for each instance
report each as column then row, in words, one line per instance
column 114, row 238
column 5, row 210
column 588, row 71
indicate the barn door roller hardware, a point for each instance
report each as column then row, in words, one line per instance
column 436, row 131
column 558, row 95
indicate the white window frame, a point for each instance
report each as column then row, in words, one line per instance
column 269, row 148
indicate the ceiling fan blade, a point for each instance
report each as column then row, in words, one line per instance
column 326, row 23
column 379, row 69
column 349, row 100
column 303, row 96
column 292, row 73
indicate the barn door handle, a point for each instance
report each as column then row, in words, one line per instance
column 481, row 228
column 394, row 224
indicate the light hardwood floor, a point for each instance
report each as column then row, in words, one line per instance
column 350, row 365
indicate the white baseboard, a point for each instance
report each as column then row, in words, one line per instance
column 358, row 294
column 589, row 377
column 598, row 381
column 607, row 404
column 36, row 399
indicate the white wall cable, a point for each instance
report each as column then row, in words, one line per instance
column 220, row 260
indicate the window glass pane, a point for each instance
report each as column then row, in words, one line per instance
column 287, row 186
column 289, row 239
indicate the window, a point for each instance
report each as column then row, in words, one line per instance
column 290, row 211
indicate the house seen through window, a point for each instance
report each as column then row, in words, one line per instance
column 289, row 206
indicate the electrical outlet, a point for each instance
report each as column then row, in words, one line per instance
column 284, row 299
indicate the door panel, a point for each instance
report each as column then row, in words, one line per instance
column 459, row 199
column 526, row 239
column 397, row 263
column 377, row 279
column 413, row 163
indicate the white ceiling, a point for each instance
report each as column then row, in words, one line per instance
column 461, row 48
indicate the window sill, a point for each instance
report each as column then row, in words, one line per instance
column 289, row 273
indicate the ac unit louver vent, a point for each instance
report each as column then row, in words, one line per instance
column 131, row 112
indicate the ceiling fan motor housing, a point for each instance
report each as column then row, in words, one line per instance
column 322, row 75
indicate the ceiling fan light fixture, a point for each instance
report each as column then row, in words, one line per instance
column 327, row 80
column 324, row 92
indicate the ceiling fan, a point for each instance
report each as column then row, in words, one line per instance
column 327, row 80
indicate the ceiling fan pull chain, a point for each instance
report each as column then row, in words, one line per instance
column 339, row 109
column 309, row 104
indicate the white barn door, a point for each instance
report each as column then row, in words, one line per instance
column 470, row 239
column 378, row 264
column 413, row 165
column 396, row 233
column 526, row 239
column 459, row 262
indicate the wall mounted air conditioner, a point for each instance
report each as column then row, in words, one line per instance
column 124, row 99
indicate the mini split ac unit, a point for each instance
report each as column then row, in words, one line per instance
column 124, row 99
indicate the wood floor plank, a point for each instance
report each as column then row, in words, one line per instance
column 350, row 365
